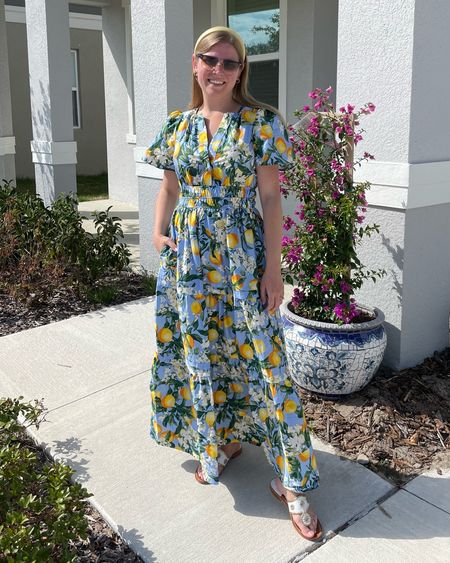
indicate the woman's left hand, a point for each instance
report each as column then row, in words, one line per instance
column 271, row 289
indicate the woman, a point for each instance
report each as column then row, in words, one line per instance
column 220, row 376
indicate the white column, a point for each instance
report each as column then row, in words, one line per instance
column 53, row 148
column 122, row 182
column 390, row 53
column 7, row 140
column 162, row 47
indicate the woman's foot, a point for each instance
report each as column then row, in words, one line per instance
column 230, row 450
column 308, row 531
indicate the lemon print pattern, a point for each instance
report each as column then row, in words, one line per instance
column 219, row 374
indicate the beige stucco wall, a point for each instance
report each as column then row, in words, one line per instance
column 91, row 137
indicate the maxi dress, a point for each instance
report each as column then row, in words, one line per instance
column 220, row 373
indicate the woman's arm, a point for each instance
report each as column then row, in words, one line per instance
column 165, row 204
column 272, row 287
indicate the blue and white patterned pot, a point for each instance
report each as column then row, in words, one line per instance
column 333, row 359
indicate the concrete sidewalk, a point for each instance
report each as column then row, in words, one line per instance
column 92, row 372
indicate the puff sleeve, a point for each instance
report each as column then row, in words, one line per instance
column 271, row 141
column 161, row 151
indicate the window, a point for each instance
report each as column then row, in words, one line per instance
column 258, row 22
column 75, row 90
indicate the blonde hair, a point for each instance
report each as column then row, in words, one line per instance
column 241, row 95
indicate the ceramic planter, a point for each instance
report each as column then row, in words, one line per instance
column 333, row 359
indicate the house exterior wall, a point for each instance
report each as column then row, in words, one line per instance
column 396, row 66
column 164, row 31
column 325, row 44
column 426, row 293
column 7, row 140
column 91, row 138
column 122, row 180
column 300, row 68
column 386, row 251
column 202, row 17
column 20, row 97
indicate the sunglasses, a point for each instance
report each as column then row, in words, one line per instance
column 228, row 64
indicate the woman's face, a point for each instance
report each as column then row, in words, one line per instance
column 217, row 81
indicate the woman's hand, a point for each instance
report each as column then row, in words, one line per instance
column 160, row 241
column 271, row 289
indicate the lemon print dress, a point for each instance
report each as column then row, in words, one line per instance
column 220, row 374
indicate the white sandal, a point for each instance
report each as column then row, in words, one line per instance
column 222, row 459
column 298, row 506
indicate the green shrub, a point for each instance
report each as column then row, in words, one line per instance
column 42, row 248
column 41, row 511
column 148, row 282
column 102, row 294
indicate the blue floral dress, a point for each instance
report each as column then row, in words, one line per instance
column 220, row 374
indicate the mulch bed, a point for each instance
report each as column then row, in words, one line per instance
column 64, row 303
column 398, row 426
column 103, row 545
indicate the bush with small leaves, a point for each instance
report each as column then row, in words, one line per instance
column 43, row 248
column 41, row 511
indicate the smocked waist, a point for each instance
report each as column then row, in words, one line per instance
column 217, row 202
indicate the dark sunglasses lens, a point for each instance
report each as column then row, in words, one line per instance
column 230, row 65
column 210, row 61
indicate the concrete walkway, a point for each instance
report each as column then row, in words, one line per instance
column 92, row 372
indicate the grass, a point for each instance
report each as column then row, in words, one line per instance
column 88, row 187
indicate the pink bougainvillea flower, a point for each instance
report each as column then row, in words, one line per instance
column 288, row 223
column 319, row 256
column 345, row 311
column 345, row 287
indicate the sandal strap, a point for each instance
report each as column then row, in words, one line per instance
column 300, row 506
column 222, row 458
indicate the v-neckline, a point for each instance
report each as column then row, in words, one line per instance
column 225, row 115
column 213, row 135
